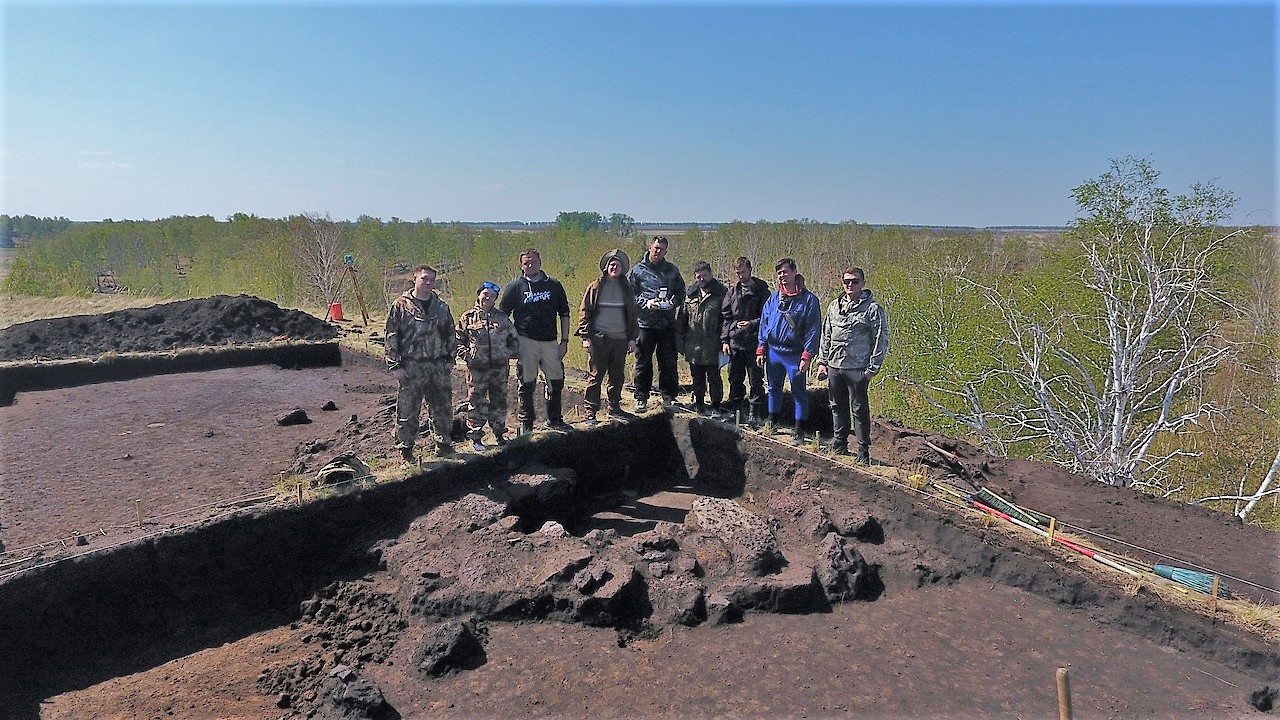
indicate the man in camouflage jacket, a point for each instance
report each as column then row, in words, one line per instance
column 420, row 350
column 487, row 342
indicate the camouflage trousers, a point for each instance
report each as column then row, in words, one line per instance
column 430, row 381
column 487, row 388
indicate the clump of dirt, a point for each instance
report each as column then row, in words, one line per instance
column 217, row 320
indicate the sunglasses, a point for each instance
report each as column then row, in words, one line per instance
column 853, row 281
column 491, row 286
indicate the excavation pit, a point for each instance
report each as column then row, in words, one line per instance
column 454, row 593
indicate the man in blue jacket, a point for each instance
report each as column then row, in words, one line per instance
column 790, row 327
column 659, row 290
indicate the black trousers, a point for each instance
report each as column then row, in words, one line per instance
column 704, row 377
column 745, row 376
column 846, row 393
column 660, row 342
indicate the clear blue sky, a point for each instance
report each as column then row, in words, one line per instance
column 944, row 114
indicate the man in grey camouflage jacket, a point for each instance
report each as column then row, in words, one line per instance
column 420, row 350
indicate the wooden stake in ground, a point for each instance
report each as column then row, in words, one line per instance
column 1064, row 695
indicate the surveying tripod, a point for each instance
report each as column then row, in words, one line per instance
column 348, row 271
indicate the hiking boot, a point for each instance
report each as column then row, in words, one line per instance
column 526, row 429
column 443, row 449
column 406, row 454
column 559, row 425
column 589, row 416
column 642, row 405
column 478, row 446
column 615, row 410
column 864, row 458
column 500, row 438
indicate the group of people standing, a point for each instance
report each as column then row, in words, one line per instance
column 766, row 338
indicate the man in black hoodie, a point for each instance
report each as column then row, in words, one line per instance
column 535, row 301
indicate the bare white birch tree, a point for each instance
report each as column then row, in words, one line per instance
column 1244, row 504
column 318, row 241
column 1101, row 390
column 1153, row 338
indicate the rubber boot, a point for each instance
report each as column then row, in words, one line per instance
column 526, row 413
column 555, row 412
column 797, row 435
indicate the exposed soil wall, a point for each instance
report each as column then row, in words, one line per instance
column 105, row 614
column 24, row 376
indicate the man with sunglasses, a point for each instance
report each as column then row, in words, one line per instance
column 855, row 341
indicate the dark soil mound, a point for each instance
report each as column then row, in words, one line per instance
column 217, row 320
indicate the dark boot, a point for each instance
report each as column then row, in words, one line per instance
column 864, row 455
column 839, row 446
column 797, row 435
column 555, row 407
column 526, row 413
column 771, row 424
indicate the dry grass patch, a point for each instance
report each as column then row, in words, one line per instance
column 16, row 309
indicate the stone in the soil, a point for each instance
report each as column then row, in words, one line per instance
column 349, row 695
column 754, row 545
column 297, row 416
column 842, row 572
column 448, row 646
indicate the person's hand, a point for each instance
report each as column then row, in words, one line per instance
column 867, row 374
column 633, row 347
column 804, row 366
column 398, row 374
column 402, row 303
column 822, row 371
column 760, row 360
column 653, row 304
column 586, row 344
column 564, row 348
column 724, row 348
